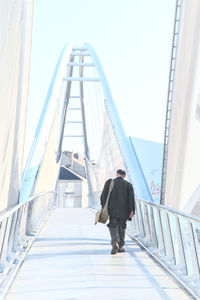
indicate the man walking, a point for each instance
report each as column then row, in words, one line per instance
column 121, row 207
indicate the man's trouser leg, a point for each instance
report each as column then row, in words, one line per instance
column 113, row 228
column 121, row 230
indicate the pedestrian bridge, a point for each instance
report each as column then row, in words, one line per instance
column 70, row 259
column 48, row 251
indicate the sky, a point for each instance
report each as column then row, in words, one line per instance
column 133, row 40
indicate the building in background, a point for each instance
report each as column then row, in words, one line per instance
column 72, row 186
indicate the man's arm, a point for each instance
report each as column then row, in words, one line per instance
column 104, row 193
column 131, row 198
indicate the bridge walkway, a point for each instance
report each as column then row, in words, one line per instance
column 70, row 259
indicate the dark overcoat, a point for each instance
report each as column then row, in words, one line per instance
column 122, row 199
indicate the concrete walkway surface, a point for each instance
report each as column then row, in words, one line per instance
column 70, row 259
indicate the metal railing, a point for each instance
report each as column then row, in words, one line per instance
column 173, row 238
column 18, row 228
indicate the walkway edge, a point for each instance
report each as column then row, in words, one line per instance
column 14, row 271
column 159, row 261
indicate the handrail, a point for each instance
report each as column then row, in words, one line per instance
column 172, row 210
column 19, row 227
column 15, row 208
column 172, row 238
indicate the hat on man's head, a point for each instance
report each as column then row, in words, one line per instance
column 121, row 172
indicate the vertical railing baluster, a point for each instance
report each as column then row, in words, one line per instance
column 182, row 266
column 23, row 239
column 29, row 221
column 153, row 229
column 11, row 236
column 194, row 255
column 17, row 229
column 162, row 246
column 147, row 225
column 136, row 220
column 168, row 237
column 141, row 221
column 2, row 237
column 2, row 233
column 3, row 257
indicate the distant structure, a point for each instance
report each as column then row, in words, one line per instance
column 74, row 161
column 72, row 185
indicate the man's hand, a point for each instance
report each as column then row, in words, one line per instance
column 131, row 214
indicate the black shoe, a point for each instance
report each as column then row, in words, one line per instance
column 115, row 248
column 121, row 249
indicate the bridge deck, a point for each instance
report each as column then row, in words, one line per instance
column 71, row 259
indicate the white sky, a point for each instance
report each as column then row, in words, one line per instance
column 133, row 41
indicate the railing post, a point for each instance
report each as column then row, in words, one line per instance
column 194, row 255
column 17, row 230
column 29, row 228
column 2, row 234
column 168, row 237
column 4, row 248
column 161, row 244
column 11, row 237
column 136, row 222
column 153, row 229
column 22, row 233
column 147, row 226
column 140, row 219
column 182, row 265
